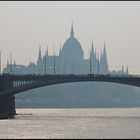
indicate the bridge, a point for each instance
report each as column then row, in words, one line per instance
column 13, row 84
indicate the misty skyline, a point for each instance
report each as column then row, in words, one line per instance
column 25, row 25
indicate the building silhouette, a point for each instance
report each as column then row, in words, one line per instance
column 69, row 61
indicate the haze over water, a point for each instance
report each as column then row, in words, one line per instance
column 25, row 25
column 73, row 123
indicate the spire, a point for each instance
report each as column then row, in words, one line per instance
column 92, row 49
column 60, row 51
column 39, row 55
column 47, row 53
column 98, row 63
column 104, row 48
column 101, row 64
column 72, row 32
column 104, row 63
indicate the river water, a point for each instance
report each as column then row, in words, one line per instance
column 72, row 123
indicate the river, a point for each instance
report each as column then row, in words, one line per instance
column 72, row 123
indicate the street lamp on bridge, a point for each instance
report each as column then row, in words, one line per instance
column 11, row 63
column 45, row 67
column 98, row 63
column 54, row 60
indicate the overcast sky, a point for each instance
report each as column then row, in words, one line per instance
column 24, row 25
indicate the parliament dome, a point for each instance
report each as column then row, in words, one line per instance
column 72, row 48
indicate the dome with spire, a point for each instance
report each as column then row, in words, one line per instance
column 72, row 47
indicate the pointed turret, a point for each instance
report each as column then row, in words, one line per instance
column 104, row 51
column 39, row 57
column 104, row 63
column 104, row 45
column 93, row 58
column 72, row 31
column 101, row 62
column 101, row 57
column 92, row 50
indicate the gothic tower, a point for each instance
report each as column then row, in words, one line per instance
column 93, row 60
column 104, row 62
column 39, row 56
column 40, row 62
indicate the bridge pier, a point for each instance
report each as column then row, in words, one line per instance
column 7, row 106
column 7, row 102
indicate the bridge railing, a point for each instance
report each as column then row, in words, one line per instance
column 64, row 75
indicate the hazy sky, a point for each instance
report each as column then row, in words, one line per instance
column 24, row 25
